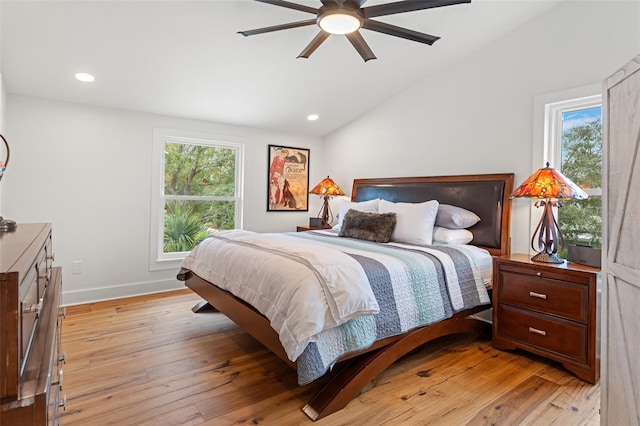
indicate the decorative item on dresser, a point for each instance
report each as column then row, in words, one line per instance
column 548, row 309
column 6, row 224
column 30, row 326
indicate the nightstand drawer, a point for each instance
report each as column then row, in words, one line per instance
column 543, row 331
column 561, row 298
column 547, row 271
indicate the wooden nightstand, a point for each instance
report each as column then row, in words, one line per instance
column 311, row 228
column 550, row 310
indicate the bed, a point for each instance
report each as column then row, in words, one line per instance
column 367, row 352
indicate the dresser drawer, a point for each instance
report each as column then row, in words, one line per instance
column 560, row 298
column 56, row 400
column 29, row 308
column 552, row 334
column 43, row 272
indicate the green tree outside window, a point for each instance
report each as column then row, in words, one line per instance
column 199, row 192
column 581, row 220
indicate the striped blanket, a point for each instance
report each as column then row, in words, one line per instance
column 402, row 287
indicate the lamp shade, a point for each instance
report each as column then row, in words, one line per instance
column 548, row 186
column 549, row 183
column 327, row 187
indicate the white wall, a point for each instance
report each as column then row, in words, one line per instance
column 3, row 103
column 476, row 116
column 88, row 171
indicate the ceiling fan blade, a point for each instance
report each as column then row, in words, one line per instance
column 290, row 5
column 313, row 45
column 361, row 46
column 407, row 6
column 278, row 27
column 393, row 30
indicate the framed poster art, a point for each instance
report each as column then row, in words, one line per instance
column 288, row 179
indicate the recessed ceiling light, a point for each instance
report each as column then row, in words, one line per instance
column 85, row 77
column 313, row 117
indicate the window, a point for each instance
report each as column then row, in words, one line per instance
column 197, row 190
column 574, row 145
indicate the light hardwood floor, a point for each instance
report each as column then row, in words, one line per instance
column 151, row 361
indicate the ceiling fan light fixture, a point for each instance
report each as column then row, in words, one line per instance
column 339, row 21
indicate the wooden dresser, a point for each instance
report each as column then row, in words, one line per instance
column 549, row 309
column 30, row 325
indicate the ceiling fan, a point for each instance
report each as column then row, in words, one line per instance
column 346, row 17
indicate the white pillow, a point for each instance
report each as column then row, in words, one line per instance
column 414, row 221
column 454, row 217
column 370, row 206
column 451, row 236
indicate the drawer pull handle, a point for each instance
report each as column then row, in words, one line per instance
column 62, row 403
column 538, row 295
column 35, row 308
column 60, row 377
column 536, row 331
column 539, row 274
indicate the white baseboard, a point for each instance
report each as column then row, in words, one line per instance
column 91, row 295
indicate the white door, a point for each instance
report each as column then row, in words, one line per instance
column 620, row 382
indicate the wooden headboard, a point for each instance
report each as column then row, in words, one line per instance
column 487, row 195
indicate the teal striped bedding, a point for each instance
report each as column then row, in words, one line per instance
column 414, row 286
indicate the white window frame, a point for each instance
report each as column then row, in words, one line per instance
column 157, row 259
column 547, row 131
column 553, row 128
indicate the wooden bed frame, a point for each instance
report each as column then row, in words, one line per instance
column 487, row 195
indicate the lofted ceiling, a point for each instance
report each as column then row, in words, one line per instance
column 185, row 59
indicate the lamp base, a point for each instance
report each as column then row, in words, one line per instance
column 547, row 258
column 7, row 225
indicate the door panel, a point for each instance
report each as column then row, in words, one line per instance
column 620, row 383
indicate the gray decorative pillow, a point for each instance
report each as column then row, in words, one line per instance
column 376, row 227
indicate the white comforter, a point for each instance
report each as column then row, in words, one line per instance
column 311, row 290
